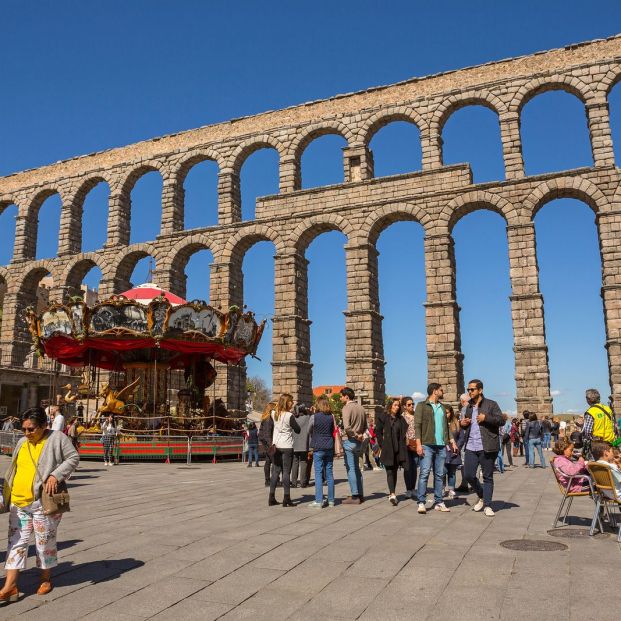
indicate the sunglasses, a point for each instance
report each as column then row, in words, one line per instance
column 472, row 389
column 29, row 429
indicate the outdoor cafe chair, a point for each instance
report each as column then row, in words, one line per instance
column 606, row 496
column 568, row 497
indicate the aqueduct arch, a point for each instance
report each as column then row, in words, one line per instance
column 360, row 207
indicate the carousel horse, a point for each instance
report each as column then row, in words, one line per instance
column 115, row 400
column 70, row 396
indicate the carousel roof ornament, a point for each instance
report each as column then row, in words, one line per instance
column 148, row 292
column 135, row 327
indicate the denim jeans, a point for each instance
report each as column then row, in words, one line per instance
column 323, row 458
column 546, row 439
column 451, row 475
column 434, row 456
column 532, row 444
column 409, row 475
column 253, row 454
column 486, row 460
column 351, row 450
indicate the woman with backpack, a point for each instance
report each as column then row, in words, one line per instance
column 252, row 438
column 534, row 433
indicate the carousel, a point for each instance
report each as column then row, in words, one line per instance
column 148, row 357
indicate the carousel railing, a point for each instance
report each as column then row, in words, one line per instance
column 150, row 447
column 8, row 440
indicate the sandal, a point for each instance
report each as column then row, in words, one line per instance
column 9, row 597
column 45, row 587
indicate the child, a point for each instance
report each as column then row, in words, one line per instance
column 602, row 454
column 566, row 468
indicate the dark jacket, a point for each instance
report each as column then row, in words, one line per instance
column 266, row 432
column 425, row 424
column 391, row 436
column 253, row 437
column 489, row 427
column 322, row 438
column 300, row 439
column 534, row 430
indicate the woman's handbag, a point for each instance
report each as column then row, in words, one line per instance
column 55, row 503
column 338, row 442
column 58, row 502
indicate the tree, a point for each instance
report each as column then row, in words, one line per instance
column 259, row 392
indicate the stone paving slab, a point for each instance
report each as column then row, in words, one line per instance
column 160, row 541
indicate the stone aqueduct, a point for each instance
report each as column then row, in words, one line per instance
column 361, row 207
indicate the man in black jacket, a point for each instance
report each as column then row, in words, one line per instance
column 481, row 419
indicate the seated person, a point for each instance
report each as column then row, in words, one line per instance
column 567, row 468
column 602, row 454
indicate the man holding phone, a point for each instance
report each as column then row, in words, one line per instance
column 481, row 419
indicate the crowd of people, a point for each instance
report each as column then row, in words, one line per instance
column 429, row 441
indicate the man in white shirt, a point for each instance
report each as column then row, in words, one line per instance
column 58, row 422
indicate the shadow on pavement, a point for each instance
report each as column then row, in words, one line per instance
column 69, row 573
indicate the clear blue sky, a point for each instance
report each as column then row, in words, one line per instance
column 82, row 76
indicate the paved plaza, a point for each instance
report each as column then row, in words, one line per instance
column 158, row 541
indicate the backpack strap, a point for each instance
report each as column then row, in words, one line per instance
column 599, row 407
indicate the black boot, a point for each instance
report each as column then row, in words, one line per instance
column 267, row 483
column 272, row 501
column 286, row 502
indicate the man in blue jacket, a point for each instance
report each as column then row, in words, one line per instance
column 482, row 418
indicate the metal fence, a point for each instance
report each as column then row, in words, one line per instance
column 8, row 440
column 164, row 448
column 150, row 447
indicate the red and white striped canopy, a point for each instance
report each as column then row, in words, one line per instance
column 147, row 292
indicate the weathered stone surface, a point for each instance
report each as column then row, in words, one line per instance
column 361, row 208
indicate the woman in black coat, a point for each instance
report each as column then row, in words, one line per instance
column 391, row 429
column 266, row 432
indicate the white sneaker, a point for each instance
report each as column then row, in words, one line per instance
column 441, row 507
column 408, row 493
column 393, row 500
column 489, row 512
column 421, row 507
column 479, row 506
column 452, row 494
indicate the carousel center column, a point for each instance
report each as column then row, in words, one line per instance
column 291, row 366
column 226, row 289
column 364, row 349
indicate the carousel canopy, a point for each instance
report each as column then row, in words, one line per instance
column 148, row 292
column 123, row 330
